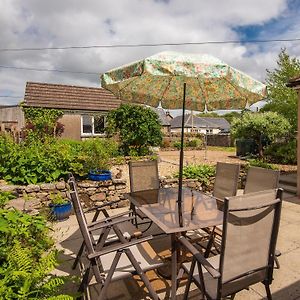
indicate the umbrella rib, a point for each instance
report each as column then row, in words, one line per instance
column 202, row 90
column 188, row 119
column 163, row 94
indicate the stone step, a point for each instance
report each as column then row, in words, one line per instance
column 288, row 188
column 288, row 180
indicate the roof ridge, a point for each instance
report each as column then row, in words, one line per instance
column 66, row 85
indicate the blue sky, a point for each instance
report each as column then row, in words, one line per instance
column 35, row 23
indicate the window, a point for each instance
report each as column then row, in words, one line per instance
column 92, row 125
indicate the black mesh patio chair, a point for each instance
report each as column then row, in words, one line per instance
column 143, row 176
column 226, row 180
column 260, row 179
column 225, row 185
column 106, row 262
column 250, row 230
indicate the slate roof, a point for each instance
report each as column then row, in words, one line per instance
column 201, row 122
column 161, row 115
column 70, row 97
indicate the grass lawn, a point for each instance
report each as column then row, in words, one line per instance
column 215, row 148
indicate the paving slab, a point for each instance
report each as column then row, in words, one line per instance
column 286, row 284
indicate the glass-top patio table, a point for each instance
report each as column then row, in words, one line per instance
column 160, row 206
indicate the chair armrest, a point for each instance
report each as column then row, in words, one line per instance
column 103, row 223
column 120, row 247
column 101, row 206
column 199, row 257
column 110, row 218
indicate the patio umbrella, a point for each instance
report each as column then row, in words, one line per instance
column 182, row 80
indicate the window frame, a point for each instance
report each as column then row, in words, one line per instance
column 84, row 134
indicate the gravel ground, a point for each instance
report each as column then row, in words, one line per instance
column 169, row 160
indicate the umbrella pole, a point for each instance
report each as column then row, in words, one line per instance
column 179, row 201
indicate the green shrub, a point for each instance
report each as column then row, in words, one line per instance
column 195, row 143
column 137, row 127
column 259, row 127
column 27, row 163
column 31, row 163
column 25, row 260
column 26, row 277
column 177, row 145
column 58, row 199
column 203, row 173
column 261, row 164
column 5, row 197
column 282, row 153
column 42, row 124
column 30, row 231
column 96, row 153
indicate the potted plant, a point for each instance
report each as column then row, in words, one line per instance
column 99, row 174
column 60, row 207
column 97, row 162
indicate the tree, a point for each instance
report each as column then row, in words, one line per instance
column 283, row 99
column 138, row 128
column 230, row 116
column 256, row 126
column 208, row 115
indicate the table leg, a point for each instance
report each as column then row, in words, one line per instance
column 174, row 267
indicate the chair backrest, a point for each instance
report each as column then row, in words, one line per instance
column 81, row 219
column 143, row 175
column 250, row 230
column 260, row 179
column 83, row 226
column 226, row 181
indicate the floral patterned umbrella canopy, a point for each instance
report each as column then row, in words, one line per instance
column 181, row 80
column 160, row 77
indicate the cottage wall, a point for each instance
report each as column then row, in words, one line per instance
column 12, row 114
column 196, row 129
column 72, row 123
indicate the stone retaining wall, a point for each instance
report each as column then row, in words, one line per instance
column 36, row 196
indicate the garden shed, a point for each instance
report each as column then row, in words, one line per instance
column 84, row 107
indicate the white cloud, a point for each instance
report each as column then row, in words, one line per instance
column 36, row 23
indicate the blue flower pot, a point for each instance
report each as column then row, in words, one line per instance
column 61, row 212
column 99, row 175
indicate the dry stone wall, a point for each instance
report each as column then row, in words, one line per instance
column 36, row 196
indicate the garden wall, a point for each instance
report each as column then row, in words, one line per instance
column 35, row 197
column 220, row 140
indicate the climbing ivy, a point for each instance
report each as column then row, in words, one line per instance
column 42, row 123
